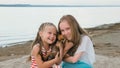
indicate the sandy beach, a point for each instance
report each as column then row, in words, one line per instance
column 106, row 43
column 101, row 62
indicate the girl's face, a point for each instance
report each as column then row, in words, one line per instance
column 65, row 29
column 48, row 35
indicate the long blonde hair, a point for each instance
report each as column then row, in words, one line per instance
column 76, row 30
column 38, row 39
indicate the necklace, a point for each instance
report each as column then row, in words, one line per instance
column 44, row 51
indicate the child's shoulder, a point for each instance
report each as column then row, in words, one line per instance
column 36, row 48
column 85, row 37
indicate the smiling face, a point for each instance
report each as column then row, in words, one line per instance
column 65, row 29
column 48, row 34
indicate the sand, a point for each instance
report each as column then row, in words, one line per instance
column 101, row 62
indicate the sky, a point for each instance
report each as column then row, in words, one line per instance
column 73, row 2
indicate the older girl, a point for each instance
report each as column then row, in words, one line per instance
column 81, row 55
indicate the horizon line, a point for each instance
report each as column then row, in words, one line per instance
column 30, row 5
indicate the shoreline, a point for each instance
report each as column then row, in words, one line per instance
column 19, row 50
column 14, row 43
column 98, row 37
column 14, row 51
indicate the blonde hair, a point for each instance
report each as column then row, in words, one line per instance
column 76, row 30
column 41, row 28
column 38, row 39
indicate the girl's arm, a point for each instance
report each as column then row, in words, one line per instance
column 64, row 50
column 73, row 59
column 60, row 46
column 81, row 49
column 39, row 61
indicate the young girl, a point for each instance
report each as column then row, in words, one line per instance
column 41, row 47
column 81, row 54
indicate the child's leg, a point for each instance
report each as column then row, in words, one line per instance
column 78, row 64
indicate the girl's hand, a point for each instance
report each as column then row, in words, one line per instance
column 57, row 58
column 59, row 45
column 66, row 56
column 68, row 45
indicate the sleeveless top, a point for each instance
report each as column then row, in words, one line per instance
column 44, row 53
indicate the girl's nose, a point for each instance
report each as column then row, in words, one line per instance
column 65, row 33
column 52, row 35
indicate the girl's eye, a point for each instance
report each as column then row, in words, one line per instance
column 67, row 28
column 55, row 34
column 49, row 32
column 62, row 30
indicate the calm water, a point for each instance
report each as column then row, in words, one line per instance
column 21, row 23
column 8, row 39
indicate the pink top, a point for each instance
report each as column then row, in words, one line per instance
column 34, row 64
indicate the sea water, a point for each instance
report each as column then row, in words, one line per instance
column 18, row 24
column 8, row 39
